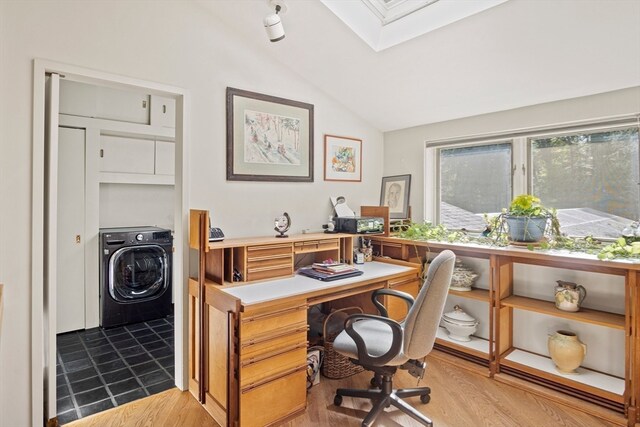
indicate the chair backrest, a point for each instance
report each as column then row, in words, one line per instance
column 421, row 324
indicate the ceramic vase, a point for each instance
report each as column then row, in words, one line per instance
column 566, row 351
column 569, row 296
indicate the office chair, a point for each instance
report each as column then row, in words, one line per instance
column 383, row 345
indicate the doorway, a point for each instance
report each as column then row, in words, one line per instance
column 46, row 223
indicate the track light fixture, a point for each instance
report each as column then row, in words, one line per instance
column 272, row 23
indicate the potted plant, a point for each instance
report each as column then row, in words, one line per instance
column 526, row 219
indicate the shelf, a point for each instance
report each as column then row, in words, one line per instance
column 477, row 346
column 602, row 318
column 474, row 293
column 115, row 127
column 597, row 383
column 135, row 178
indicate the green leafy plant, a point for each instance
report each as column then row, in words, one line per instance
column 527, row 205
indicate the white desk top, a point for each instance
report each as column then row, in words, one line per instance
column 254, row 293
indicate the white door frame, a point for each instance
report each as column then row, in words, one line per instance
column 43, row 337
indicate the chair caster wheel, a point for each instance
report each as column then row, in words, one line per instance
column 425, row 398
column 337, row 400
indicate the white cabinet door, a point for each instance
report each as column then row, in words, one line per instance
column 114, row 104
column 81, row 99
column 70, row 242
column 163, row 111
column 165, row 158
column 126, row 155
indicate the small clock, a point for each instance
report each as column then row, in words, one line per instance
column 282, row 222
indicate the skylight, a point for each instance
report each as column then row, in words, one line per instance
column 386, row 23
column 391, row 10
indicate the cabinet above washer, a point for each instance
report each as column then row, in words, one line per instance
column 100, row 102
column 136, row 160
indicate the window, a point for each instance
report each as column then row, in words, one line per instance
column 473, row 180
column 591, row 178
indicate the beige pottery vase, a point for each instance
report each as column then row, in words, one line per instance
column 566, row 351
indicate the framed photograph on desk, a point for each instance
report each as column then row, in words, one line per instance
column 268, row 138
column 395, row 194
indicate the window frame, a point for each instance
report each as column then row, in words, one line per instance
column 521, row 155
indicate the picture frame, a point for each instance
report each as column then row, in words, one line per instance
column 268, row 138
column 342, row 158
column 394, row 193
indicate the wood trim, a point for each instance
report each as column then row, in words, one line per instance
column 602, row 318
column 194, row 230
column 564, row 399
column 474, row 293
column 564, row 381
column 463, row 349
column 346, row 293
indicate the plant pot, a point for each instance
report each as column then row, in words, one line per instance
column 566, row 351
column 526, row 228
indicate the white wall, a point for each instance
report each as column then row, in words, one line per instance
column 404, row 149
column 128, row 205
column 180, row 44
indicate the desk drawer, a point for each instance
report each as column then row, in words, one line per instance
column 269, row 272
column 257, row 325
column 397, row 307
column 272, row 261
column 267, row 251
column 273, row 341
column 271, row 364
column 316, row 245
column 270, row 401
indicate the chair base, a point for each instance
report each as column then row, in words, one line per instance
column 386, row 396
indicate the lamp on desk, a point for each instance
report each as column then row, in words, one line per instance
column 340, row 206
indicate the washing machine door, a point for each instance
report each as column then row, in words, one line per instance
column 138, row 273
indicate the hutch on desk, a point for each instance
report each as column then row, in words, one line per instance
column 248, row 337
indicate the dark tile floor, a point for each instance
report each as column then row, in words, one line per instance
column 102, row 368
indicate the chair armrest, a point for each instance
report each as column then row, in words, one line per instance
column 363, row 355
column 381, row 308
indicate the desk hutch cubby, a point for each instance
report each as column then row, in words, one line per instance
column 517, row 318
column 248, row 317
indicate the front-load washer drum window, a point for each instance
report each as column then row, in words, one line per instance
column 138, row 273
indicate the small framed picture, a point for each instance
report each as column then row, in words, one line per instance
column 395, row 194
column 342, row 158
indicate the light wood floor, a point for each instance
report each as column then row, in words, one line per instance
column 458, row 399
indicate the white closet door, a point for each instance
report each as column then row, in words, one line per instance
column 70, row 239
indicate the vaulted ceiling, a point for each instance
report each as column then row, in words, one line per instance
column 518, row 53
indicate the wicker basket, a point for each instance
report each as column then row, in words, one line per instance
column 335, row 365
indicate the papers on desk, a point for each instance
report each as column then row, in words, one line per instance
column 329, row 272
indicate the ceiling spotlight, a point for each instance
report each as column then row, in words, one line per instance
column 272, row 23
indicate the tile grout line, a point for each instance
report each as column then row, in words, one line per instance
column 72, row 394
column 126, row 363
column 95, row 366
column 155, row 359
column 67, row 381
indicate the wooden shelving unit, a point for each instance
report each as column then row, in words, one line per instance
column 474, row 293
column 600, row 393
column 595, row 317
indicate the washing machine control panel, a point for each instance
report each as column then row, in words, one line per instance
column 139, row 237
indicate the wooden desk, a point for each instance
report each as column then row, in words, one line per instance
column 248, row 341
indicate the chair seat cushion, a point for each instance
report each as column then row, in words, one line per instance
column 377, row 336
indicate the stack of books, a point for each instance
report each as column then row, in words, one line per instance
column 332, row 268
column 329, row 271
